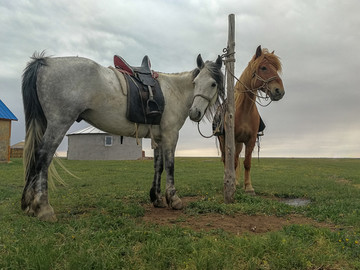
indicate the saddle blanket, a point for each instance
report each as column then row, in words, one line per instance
column 138, row 101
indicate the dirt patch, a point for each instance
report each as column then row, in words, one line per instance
column 237, row 224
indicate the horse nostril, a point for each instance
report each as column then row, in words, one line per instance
column 277, row 91
column 195, row 114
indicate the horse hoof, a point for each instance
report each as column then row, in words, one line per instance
column 159, row 203
column 47, row 214
column 48, row 218
column 29, row 211
column 176, row 203
column 250, row 192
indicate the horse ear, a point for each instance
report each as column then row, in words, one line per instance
column 273, row 52
column 219, row 62
column 258, row 52
column 200, row 62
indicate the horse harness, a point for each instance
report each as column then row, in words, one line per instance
column 264, row 86
column 145, row 100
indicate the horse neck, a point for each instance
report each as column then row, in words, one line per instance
column 179, row 84
column 245, row 97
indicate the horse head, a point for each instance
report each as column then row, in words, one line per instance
column 209, row 88
column 265, row 74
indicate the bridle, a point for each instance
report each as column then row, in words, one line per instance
column 265, row 84
column 209, row 102
column 265, row 87
column 204, row 97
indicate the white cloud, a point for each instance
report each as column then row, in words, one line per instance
column 316, row 41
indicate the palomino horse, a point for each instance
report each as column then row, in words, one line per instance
column 261, row 74
column 58, row 91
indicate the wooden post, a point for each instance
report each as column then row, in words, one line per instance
column 229, row 173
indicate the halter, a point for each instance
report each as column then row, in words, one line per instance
column 209, row 102
column 204, row 97
column 264, row 86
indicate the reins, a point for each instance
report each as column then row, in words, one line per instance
column 198, row 123
column 202, row 135
column 217, row 129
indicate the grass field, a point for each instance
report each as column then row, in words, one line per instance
column 102, row 218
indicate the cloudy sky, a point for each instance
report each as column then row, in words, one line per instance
column 317, row 41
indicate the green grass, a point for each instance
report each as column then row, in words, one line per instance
column 100, row 218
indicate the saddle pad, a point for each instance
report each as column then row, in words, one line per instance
column 137, row 97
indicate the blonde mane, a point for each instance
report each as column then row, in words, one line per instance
column 247, row 77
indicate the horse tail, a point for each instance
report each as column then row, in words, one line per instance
column 35, row 120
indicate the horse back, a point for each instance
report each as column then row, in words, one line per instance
column 76, row 82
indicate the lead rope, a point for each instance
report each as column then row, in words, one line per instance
column 219, row 125
column 217, row 130
column 207, row 137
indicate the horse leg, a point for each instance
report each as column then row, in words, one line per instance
column 35, row 199
column 169, row 140
column 221, row 139
column 155, row 191
column 247, row 165
column 238, row 148
column 172, row 198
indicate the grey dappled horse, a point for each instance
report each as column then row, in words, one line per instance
column 58, row 91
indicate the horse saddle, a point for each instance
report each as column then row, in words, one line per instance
column 145, row 100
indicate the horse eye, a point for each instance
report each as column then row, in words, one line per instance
column 263, row 68
column 213, row 84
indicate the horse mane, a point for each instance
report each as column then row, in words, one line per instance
column 218, row 76
column 247, row 77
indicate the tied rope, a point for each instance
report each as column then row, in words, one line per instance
column 226, row 54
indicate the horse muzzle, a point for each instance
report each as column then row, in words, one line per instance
column 276, row 93
column 195, row 114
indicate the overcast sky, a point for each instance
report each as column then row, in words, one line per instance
column 317, row 41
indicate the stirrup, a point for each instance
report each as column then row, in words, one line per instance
column 261, row 133
column 152, row 108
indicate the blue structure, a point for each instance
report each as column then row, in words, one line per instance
column 6, row 116
column 5, row 113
